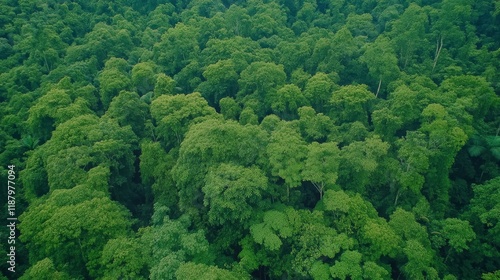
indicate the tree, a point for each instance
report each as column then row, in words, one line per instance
column 321, row 165
column 44, row 270
column 238, row 20
column 458, row 233
column 229, row 108
column 474, row 92
column 381, row 238
column 268, row 19
column 484, row 218
column 333, row 52
column 233, row 193
column 177, row 47
column 349, row 212
column 408, row 33
column 128, row 109
column 487, row 148
column 349, row 265
column 164, row 85
column 160, row 18
column 248, row 116
column 167, row 244
column 293, row 54
column 419, row 261
column 112, row 80
column 269, row 232
column 259, row 80
column 241, row 50
column 174, row 114
column 122, row 258
column 361, row 25
column 155, row 167
column 445, row 139
column 41, row 44
column 143, row 77
column 208, row 145
column 221, row 81
column 76, row 147
column 407, row 228
column 319, row 90
column 350, row 104
column 314, row 127
column 385, row 123
column 196, row 271
column 451, row 25
column 381, row 61
column 360, row 160
column 104, row 42
column 407, row 104
column 287, row 100
column 287, row 151
column 44, row 114
column 54, row 228
column 413, row 156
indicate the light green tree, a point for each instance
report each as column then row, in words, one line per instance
column 350, row 104
column 55, row 228
column 287, row 152
column 321, row 165
column 381, row 61
column 233, row 193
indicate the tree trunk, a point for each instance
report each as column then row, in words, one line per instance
column 378, row 89
column 439, row 47
column 397, row 197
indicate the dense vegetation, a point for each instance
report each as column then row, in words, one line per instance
column 290, row 139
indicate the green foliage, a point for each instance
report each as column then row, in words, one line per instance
column 381, row 60
column 53, row 228
column 484, row 216
column 174, row 114
column 248, row 116
column 122, row 257
column 348, row 266
column 286, row 152
column 164, row 85
column 269, row 232
column 383, row 240
column 350, row 104
column 233, row 192
column 252, row 139
column 169, row 243
column 128, row 109
column 176, row 47
column 199, row 271
column 206, row 146
column 351, row 212
column 318, row 90
column 259, row 79
column 321, row 166
column 360, row 160
column 221, row 81
column 113, row 79
column 229, row 108
column 143, row 77
column 287, row 100
column 44, row 270
column 458, row 233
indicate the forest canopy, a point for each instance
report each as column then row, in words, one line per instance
column 260, row 139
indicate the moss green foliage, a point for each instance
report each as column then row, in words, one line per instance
column 277, row 139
